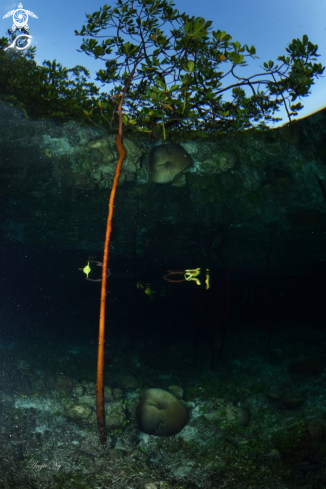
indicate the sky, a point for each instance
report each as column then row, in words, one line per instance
column 268, row 25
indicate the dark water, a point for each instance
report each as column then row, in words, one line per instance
column 251, row 346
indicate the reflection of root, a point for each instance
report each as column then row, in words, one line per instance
column 99, row 264
column 174, row 272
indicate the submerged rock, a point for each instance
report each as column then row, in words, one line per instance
column 78, row 412
column 159, row 413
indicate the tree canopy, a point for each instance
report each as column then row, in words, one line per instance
column 169, row 68
column 48, row 91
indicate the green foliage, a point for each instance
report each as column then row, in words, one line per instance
column 48, row 91
column 164, row 82
column 190, row 57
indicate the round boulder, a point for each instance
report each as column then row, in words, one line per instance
column 159, row 413
column 165, row 161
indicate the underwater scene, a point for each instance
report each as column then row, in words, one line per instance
column 163, row 259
